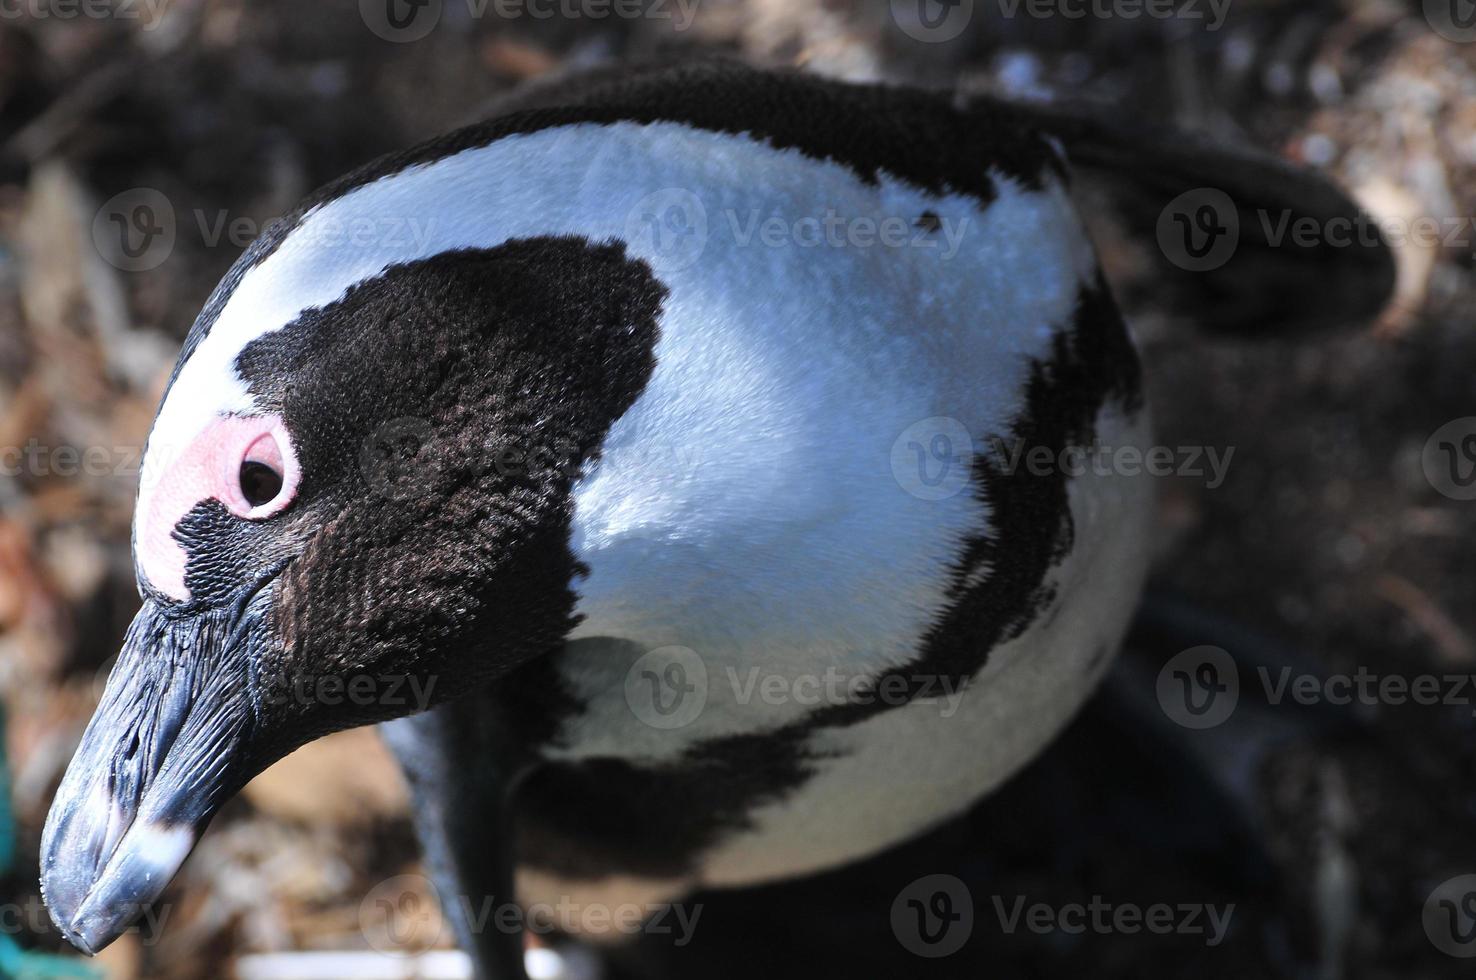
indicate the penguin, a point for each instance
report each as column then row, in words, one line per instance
column 675, row 464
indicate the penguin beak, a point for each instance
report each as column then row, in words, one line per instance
column 167, row 746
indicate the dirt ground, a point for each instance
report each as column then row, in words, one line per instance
column 1326, row 542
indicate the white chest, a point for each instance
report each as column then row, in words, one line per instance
column 754, row 508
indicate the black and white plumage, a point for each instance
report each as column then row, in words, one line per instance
column 637, row 426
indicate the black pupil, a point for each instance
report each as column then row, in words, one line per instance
column 260, row 484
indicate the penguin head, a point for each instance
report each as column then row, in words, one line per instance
column 342, row 520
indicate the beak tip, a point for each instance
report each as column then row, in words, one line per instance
column 66, row 923
column 167, row 744
column 63, row 914
column 61, row 901
column 82, row 943
column 92, row 906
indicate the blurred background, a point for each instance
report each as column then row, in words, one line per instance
column 144, row 143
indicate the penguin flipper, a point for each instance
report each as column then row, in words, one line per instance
column 1239, row 240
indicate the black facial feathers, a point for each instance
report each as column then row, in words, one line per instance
column 442, row 412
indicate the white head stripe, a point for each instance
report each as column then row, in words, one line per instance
column 583, row 179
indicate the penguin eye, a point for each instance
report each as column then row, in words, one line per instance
column 262, row 473
column 260, row 484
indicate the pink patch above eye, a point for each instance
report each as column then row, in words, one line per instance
column 265, row 450
column 211, row 468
